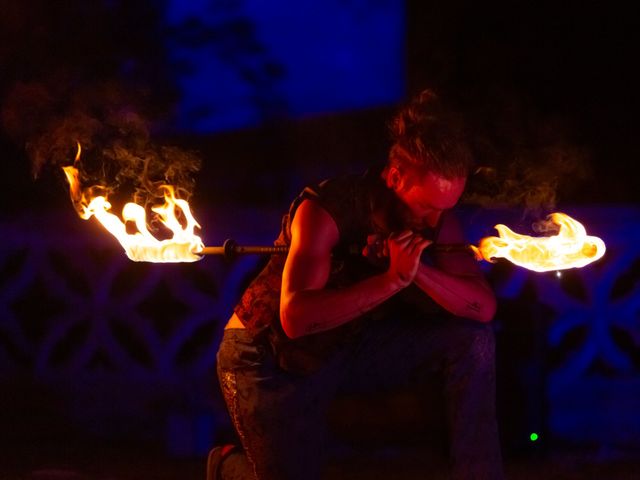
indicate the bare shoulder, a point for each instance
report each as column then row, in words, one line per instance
column 313, row 235
column 313, row 230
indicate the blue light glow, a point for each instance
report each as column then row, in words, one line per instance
column 239, row 63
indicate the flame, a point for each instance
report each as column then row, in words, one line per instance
column 140, row 246
column 571, row 247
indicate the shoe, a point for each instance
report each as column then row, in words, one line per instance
column 215, row 459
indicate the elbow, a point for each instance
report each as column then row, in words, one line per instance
column 289, row 327
column 288, row 321
column 485, row 318
column 488, row 312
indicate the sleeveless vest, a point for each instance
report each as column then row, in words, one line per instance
column 360, row 205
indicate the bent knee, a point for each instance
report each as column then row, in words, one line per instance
column 483, row 345
column 478, row 342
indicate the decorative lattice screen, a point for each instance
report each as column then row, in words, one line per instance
column 79, row 318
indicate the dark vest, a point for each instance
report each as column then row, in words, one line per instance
column 360, row 205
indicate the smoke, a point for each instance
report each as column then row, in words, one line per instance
column 531, row 181
column 528, row 161
column 92, row 73
column 545, row 227
column 119, row 156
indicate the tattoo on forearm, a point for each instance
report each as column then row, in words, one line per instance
column 475, row 306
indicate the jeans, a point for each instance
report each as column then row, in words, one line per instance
column 280, row 416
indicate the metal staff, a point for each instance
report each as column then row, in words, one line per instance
column 231, row 249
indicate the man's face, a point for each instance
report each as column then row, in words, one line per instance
column 427, row 196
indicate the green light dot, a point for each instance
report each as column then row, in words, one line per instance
column 533, row 437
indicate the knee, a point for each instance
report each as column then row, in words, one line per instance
column 483, row 345
column 478, row 346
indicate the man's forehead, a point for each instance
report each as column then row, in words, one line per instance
column 442, row 184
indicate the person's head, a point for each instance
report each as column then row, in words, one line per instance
column 429, row 160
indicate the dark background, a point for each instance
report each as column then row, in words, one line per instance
column 550, row 92
column 528, row 77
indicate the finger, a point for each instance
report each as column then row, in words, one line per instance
column 404, row 243
column 420, row 246
column 415, row 240
column 401, row 235
column 371, row 251
column 374, row 238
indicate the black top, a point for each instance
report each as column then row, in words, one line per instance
column 360, row 205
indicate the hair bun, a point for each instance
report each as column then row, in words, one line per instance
column 420, row 110
column 429, row 136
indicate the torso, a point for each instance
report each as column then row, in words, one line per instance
column 360, row 205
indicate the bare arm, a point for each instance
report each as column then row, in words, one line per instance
column 306, row 305
column 455, row 282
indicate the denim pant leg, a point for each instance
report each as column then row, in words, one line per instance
column 396, row 351
column 280, row 417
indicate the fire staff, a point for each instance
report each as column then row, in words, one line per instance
column 316, row 320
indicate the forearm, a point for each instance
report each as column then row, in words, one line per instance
column 311, row 311
column 464, row 296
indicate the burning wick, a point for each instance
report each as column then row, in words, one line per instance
column 571, row 247
column 140, row 246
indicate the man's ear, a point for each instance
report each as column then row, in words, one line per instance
column 395, row 179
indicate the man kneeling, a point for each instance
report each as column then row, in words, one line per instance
column 324, row 317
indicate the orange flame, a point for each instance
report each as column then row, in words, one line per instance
column 140, row 246
column 571, row 247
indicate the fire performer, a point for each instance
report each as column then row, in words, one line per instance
column 323, row 319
